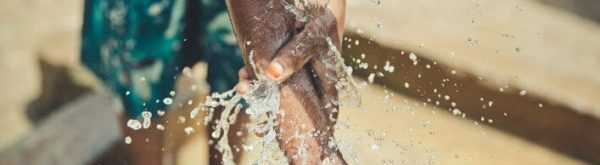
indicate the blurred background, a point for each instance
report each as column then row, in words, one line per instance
column 449, row 82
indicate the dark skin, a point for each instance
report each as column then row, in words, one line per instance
column 286, row 49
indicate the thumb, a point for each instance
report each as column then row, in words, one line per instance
column 298, row 51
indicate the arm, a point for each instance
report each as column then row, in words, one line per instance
column 265, row 33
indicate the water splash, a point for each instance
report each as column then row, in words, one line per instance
column 263, row 100
column 263, row 104
column 349, row 91
column 263, row 108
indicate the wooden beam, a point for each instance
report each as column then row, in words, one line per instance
column 530, row 116
column 76, row 134
column 529, row 44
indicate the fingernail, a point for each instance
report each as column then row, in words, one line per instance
column 275, row 70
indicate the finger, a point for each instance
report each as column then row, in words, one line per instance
column 261, row 39
column 292, row 56
column 297, row 52
column 244, row 80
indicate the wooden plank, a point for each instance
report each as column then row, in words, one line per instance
column 531, row 116
column 76, row 134
column 497, row 50
column 506, row 42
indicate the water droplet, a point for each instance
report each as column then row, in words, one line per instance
column 134, row 124
column 413, row 57
column 188, row 130
column 375, row 146
column 456, row 111
column 127, row 140
column 371, row 77
column 147, row 119
column 160, row 127
column 181, row 119
column 160, row 113
column 168, row 101
column 146, row 114
column 194, row 112
column 216, row 134
column 523, row 93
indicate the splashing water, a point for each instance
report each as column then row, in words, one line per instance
column 231, row 108
column 347, row 87
column 263, row 100
column 263, row 104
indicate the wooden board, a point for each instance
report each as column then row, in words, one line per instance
column 483, row 54
column 539, row 48
column 529, row 116
column 77, row 134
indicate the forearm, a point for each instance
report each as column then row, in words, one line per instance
column 305, row 128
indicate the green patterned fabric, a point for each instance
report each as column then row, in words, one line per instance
column 137, row 47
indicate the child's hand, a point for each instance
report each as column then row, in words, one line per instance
column 309, row 44
column 277, row 44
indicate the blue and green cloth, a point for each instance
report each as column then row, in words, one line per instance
column 138, row 47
